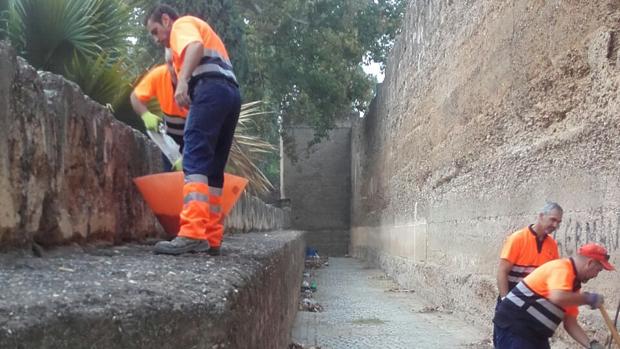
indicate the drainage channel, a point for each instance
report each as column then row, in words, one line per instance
column 357, row 307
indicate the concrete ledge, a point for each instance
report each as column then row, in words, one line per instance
column 126, row 297
column 252, row 214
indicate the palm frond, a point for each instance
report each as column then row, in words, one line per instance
column 4, row 13
column 105, row 82
column 49, row 33
column 111, row 20
column 248, row 149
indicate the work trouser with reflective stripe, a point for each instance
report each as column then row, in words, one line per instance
column 209, row 130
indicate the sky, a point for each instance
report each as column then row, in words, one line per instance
column 374, row 69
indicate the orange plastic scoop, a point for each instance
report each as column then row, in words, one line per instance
column 163, row 192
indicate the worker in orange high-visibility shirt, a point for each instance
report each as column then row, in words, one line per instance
column 531, row 312
column 159, row 83
column 527, row 249
column 207, row 85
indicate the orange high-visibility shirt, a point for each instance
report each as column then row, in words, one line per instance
column 215, row 61
column 556, row 275
column 527, row 311
column 526, row 253
column 158, row 84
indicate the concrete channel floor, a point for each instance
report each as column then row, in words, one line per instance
column 363, row 308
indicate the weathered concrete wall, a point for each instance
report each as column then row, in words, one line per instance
column 318, row 185
column 65, row 163
column 488, row 109
column 66, row 167
column 252, row 214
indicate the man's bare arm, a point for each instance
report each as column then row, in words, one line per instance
column 502, row 276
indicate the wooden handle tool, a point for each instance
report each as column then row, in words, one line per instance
column 610, row 325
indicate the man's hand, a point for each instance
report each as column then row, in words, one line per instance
column 596, row 345
column 502, row 277
column 151, row 121
column 181, row 95
column 178, row 165
column 594, row 300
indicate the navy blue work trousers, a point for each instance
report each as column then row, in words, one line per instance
column 504, row 339
column 210, row 128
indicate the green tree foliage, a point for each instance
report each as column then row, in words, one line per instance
column 4, row 7
column 306, row 56
column 222, row 15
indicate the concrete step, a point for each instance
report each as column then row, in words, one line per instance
column 127, row 297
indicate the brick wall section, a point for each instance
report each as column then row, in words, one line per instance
column 318, row 186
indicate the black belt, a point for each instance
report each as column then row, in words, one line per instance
column 210, row 76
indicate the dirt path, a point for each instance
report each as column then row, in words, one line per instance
column 363, row 308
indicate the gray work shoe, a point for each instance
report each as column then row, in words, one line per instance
column 181, row 245
column 214, row 251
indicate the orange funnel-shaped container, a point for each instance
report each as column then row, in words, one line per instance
column 163, row 192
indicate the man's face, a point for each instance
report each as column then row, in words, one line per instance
column 160, row 31
column 551, row 221
column 593, row 267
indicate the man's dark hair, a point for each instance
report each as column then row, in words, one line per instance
column 158, row 10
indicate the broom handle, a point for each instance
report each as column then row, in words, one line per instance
column 610, row 325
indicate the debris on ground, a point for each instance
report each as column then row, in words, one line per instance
column 313, row 260
column 302, row 346
column 316, row 262
column 380, row 277
column 309, row 284
column 485, row 343
column 433, row 309
column 400, row 290
column 308, row 287
column 429, row 309
column 309, row 304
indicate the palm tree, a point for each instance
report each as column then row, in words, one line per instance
column 80, row 39
column 247, row 149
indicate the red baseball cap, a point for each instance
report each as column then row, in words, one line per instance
column 598, row 252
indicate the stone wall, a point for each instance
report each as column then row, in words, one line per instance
column 488, row 109
column 252, row 214
column 66, row 167
column 65, row 163
column 317, row 182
